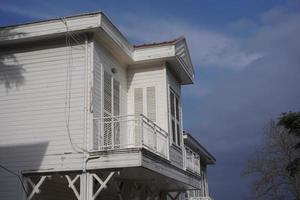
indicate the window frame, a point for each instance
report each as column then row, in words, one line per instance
column 176, row 137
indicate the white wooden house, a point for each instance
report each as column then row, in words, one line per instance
column 86, row 115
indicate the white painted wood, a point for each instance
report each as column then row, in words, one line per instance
column 116, row 35
column 104, row 61
column 33, row 112
column 154, row 52
column 49, row 27
column 183, row 54
column 35, row 100
column 149, row 76
column 171, row 172
column 122, row 159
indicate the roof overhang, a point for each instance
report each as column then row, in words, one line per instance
column 175, row 52
column 192, row 143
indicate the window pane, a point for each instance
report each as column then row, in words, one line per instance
column 172, row 103
column 177, row 109
column 178, row 135
column 173, row 131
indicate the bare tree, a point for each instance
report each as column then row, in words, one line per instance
column 268, row 165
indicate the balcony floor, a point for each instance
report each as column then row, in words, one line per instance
column 141, row 164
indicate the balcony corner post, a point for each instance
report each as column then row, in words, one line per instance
column 141, row 131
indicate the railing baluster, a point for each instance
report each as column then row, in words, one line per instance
column 154, row 139
column 99, row 134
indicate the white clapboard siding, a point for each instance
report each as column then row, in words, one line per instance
column 150, row 76
column 33, row 112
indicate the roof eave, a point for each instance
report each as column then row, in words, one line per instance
column 209, row 157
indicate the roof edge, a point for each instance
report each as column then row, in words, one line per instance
column 52, row 19
column 210, row 156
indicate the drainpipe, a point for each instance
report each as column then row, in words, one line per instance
column 86, row 79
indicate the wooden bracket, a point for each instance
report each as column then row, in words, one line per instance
column 176, row 196
column 103, row 183
column 72, row 183
column 35, row 186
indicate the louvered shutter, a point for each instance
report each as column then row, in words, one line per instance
column 116, row 99
column 151, row 104
column 107, row 95
column 138, row 109
column 116, row 111
column 107, row 105
column 138, row 101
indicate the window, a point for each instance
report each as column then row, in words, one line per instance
column 175, row 118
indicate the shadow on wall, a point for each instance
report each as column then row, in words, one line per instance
column 18, row 159
column 11, row 73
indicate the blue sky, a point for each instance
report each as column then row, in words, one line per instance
column 246, row 56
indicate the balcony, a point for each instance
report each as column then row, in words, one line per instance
column 192, row 161
column 131, row 131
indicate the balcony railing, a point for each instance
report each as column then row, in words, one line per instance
column 192, row 161
column 198, row 198
column 130, row 131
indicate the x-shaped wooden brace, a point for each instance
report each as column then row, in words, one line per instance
column 35, row 186
column 176, row 196
column 102, row 183
column 119, row 187
column 72, row 184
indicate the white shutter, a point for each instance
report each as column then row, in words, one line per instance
column 151, row 103
column 116, row 111
column 107, row 108
column 107, row 95
column 116, row 98
column 138, row 101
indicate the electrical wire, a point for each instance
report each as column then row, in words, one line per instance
column 17, row 175
column 69, row 55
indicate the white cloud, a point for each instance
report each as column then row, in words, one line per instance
column 208, row 48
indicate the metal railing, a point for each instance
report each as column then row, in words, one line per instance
column 198, row 198
column 192, row 160
column 196, row 195
column 130, row 131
